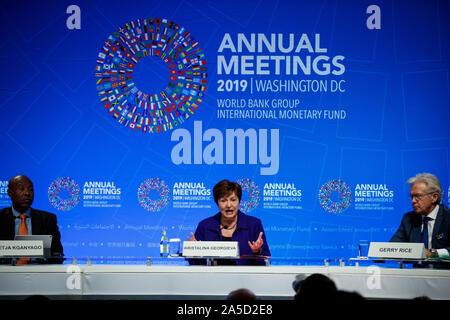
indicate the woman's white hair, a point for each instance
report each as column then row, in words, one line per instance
column 432, row 182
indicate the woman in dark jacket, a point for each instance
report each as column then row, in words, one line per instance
column 230, row 224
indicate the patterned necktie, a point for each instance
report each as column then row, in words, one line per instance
column 425, row 231
column 23, row 230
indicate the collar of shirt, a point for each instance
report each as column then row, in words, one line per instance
column 433, row 214
column 17, row 213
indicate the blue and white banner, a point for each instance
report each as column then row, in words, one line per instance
column 125, row 114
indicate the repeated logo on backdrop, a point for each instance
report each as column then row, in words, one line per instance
column 155, row 194
column 64, row 194
column 151, row 112
column 254, row 195
column 335, row 196
column 64, row 203
column 326, row 192
column 4, row 198
column 145, row 199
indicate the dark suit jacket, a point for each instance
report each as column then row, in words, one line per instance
column 411, row 225
column 42, row 222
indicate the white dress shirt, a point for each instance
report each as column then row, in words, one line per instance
column 432, row 215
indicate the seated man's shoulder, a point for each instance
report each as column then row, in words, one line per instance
column 411, row 218
column 410, row 214
column 446, row 210
column 43, row 213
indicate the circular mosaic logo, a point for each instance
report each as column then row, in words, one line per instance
column 254, row 195
column 144, row 195
column 151, row 112
column 60, row 185
column 342, row 189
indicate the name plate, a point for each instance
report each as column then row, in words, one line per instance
column 219, row 249
column 21, row 248
column 397, row 250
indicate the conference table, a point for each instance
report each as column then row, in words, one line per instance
column 88, row 280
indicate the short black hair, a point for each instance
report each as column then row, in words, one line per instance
column 226, row 187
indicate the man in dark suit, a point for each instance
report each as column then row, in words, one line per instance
column 20, row 190
column 429, row 222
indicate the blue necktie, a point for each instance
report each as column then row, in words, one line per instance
column 425, row 231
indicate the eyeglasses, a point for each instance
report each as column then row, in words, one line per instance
column 419, row 196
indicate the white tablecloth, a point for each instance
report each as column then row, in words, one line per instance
column 201, row 281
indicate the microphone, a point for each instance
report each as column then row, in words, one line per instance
column 225, row 227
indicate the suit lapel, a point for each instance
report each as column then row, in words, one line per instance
column 416, row 233
column 437, row 224
column 12, row 224
column 36, row 222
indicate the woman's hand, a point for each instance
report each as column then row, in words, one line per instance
column 256, row 245
column 192, row 237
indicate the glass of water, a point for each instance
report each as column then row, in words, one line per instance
column 363, row 249
column 175, row 247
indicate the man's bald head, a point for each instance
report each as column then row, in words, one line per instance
column 20, row 190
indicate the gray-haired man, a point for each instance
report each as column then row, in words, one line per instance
column 429, row 222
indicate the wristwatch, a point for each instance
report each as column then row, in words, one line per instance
column 434, row 253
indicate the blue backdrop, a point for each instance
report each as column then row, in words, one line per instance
column 126, row 113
